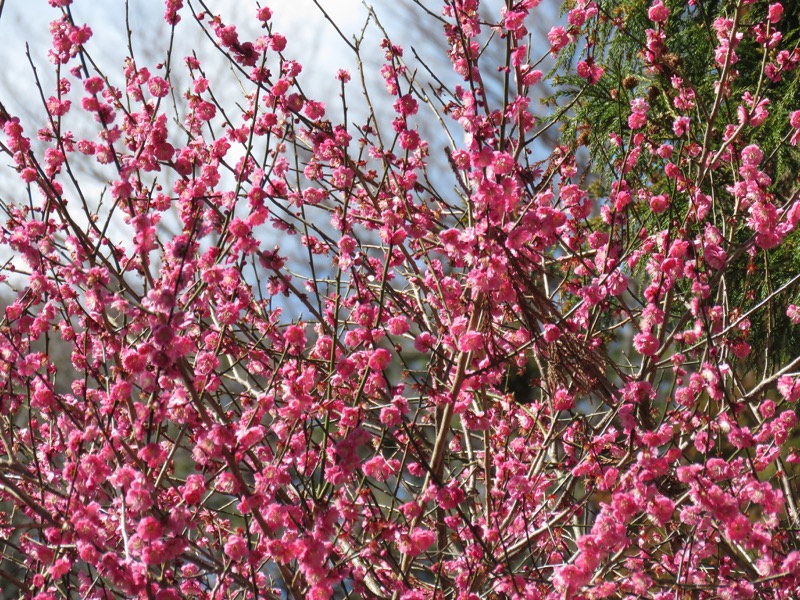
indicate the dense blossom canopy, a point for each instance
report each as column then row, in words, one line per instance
column 426, row 350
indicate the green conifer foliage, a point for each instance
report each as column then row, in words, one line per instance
column 601, row 112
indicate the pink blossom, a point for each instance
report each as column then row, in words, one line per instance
column 149, row 529
column 471, row 341
column 625, row 506
column 378, row 468
column 775, row 12
column 158, row 87
column 380, row 359
column 568, row 579
column 659, row 203
column 60, row 568
column 193, row 489
column 94, row 85
column 662, row 508
column 680, row 126
column 420, row 539
column 171, row 12
column 563, row 400
column 646, row 343
column 205, row 111
column 589, row 71
column 752, row 155
column 406, row 106
column 398, row 325
column 295, row 336
column 658, row 13
column 558, row 38
column 551, row 333
column 227, row 483
column 424, row 342
column 637, row 120
column 793, row 312
column 789, row 388
column 236, row 547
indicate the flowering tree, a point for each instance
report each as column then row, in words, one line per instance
column 314, row 357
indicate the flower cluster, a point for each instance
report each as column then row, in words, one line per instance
column 289, row 350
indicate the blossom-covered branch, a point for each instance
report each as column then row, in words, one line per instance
column 316, row 352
